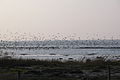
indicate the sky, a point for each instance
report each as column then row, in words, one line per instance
column 79, row 17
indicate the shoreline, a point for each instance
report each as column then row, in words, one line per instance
column 30, row 48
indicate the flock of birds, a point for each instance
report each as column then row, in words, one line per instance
column 29, row 41
column 58, row 41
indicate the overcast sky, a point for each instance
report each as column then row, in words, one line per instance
column 61, row 16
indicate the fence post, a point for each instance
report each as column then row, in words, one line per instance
column 109, row 73
column 18, row 75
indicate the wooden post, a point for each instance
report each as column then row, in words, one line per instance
column 109, row 73
column 18, row 75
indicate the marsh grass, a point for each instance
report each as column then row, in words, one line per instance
column 4, row 62
column 60, row 70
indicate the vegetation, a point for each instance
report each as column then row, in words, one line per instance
column 21, row 69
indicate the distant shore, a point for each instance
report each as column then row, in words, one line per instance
column 59, row 48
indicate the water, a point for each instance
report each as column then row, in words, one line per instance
column 62, row 49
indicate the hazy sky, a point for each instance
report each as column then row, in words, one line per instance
column 61, row 16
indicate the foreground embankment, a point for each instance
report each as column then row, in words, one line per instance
column 31, row 69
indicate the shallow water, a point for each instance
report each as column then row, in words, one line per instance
column 66, row 54
column 63, row 49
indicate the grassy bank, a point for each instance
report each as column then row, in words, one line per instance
column 20, row 69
